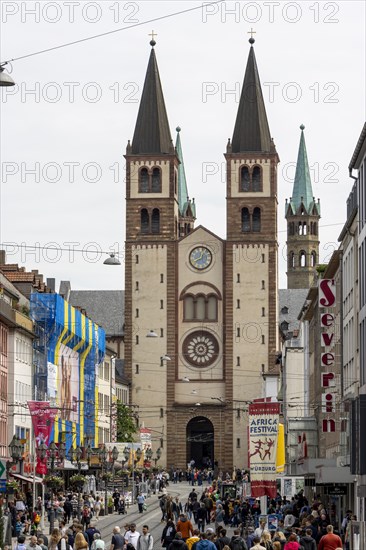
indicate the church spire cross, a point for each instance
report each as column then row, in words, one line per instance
column 152, row 41
column 251, row 39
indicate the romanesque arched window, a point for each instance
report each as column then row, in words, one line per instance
column 244, row 179
column 145, row 221
column 256, row 220
column 188, row 305
column 302, row 258
column 156, row 181
column 291, row 260
column 313, row 258
column 256, row 178
column 304, row 228
column 155, row 221
column 144, row 180
column 245, row 220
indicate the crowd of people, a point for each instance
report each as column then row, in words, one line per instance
column 200, row 523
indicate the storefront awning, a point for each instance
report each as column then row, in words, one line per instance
column 28, row 479
column 333, row 474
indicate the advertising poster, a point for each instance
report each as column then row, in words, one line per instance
column 263, row 433
column 43, row 418
column 67, row 397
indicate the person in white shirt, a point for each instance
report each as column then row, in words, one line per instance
column 145, row 541
column 132, row 536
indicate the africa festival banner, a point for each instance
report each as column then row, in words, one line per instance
column 263, row 434
column 43, row 417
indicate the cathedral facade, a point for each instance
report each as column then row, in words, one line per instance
column 200, row 312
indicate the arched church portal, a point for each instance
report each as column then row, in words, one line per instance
column 200, row 442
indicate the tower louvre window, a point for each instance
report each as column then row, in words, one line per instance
column 144, row 180
column 244, row 179
column 291, row 260
column 256, row 226
column 302, row 259
column 245, row 220
column 150, row 180
column 250, row 179
column 257, row 179
column 156, row 180
column 145, row 221
column 155, row 221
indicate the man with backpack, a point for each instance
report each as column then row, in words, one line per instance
column 237, row 542
column 145, row 541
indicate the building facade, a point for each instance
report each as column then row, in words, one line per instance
column 200, row 311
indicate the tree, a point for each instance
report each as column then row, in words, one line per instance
column 126, row 423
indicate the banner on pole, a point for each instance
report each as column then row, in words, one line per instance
column 43, row 418
column 263, row 435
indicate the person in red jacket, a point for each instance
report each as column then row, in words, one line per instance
column 292, row 543
column 330, row 541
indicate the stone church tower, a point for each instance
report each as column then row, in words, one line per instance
column 302, row 215
column 200, row 312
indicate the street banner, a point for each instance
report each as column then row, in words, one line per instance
column 145, row 438
column 43, row 418
column 263, row 434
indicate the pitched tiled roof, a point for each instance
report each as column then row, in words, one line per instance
column 104, row 307
column 293, row 299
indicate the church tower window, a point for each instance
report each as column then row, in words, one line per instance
column 245, row 220
column 244, row 179
column 156, row 181
column 145, row 221
column 257, row 179
column 291, row 260
column 200, row 308
column 256, row 226
column 302, row 258
column 212, row 308
column 313, row 259
column 155, row 221
column 144, row 180
column 188, row 308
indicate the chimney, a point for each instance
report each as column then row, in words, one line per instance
column 51, row 283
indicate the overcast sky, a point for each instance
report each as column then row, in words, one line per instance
column 73, row 129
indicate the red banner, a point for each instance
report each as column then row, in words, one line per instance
column 263, row 433
column 43, row 418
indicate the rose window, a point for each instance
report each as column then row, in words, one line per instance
column 200, row 349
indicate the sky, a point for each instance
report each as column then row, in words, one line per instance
column 65, row 125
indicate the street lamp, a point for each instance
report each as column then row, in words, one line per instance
column 158, row 456
column 103, row 455
column 5, row 78
column 16, row 452
column 76, row 455
column 53, row 451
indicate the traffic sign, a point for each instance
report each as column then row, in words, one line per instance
column 2, row 469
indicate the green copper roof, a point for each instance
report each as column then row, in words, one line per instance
column 183, row 199
column 302, row 193
column 251, row 132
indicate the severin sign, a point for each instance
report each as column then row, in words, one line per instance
column 327, row 302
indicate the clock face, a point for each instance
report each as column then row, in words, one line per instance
column 200, row 349
column 200, row 257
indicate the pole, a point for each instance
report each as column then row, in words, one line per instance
column 133, row 477
column 42, row 511
column 105, row 469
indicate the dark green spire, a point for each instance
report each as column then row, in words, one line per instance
column 152, row 134
column 302, row 194
column 183, row 198
column 251, row 132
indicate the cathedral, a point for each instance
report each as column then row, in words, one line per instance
column 201, row 313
